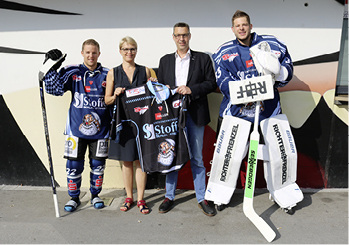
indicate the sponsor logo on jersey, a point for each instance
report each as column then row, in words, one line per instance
column 135, row 92
column 148, row 129
column 159, row 116
column 152, row 131
column 177, row 103
column 90, row 82
column 230, row 57
column 82, row 101
column 77, row 78
column 166, row 152
column 87, row 89
column 104, row 84
column 160, row 108
column 141, row 110
column 249, row 63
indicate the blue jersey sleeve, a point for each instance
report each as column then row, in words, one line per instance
column 57, row 83
column 53, row 83
column 286, row 61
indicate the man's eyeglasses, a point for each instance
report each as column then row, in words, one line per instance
column 132, row 50
column 181, row 35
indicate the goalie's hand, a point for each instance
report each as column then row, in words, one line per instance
column 269, row 61
column 54, row 54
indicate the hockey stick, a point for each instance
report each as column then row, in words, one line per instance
column 248, row 209
column 43, row 70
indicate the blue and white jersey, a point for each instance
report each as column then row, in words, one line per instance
column 233, row 62
column 88, row 115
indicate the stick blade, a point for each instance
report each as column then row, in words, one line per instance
column 261, row 225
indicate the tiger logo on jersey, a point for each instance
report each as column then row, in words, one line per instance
column 166, row 152
column 249, row 109
column 91, row 124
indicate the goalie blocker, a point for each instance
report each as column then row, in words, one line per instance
column 279, row 155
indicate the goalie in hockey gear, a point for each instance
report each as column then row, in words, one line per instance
column 233, row 62
column 54, row 54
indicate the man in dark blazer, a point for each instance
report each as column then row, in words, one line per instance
column 193, row 74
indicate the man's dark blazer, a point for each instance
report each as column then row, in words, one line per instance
column 201, row 81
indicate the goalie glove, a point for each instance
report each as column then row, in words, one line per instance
column 267, row 62
column 54, row 54
column 283, row 74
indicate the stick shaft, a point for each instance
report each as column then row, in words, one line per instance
column 48, row 147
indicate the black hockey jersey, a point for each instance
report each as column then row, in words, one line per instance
column 158, row 116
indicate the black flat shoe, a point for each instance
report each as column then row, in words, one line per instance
column 206, row 208
column 165, row 206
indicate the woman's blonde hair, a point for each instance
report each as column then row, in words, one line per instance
column 128, row 40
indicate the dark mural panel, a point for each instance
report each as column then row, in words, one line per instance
column 19, row 164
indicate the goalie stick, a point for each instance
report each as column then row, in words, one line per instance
column 248, row 209
column 42, row 72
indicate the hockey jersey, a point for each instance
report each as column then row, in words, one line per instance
column 233, row 62
column 88, row 116
column 158, row 116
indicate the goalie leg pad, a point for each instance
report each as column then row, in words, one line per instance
column 280, row 172
column 231, row 147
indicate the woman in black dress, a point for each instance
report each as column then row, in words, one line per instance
column 125, row 76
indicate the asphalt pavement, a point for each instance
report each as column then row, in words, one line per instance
column 27, row 215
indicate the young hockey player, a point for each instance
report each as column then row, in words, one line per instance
column 88, row 119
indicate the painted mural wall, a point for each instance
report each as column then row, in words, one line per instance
column 311, row 29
